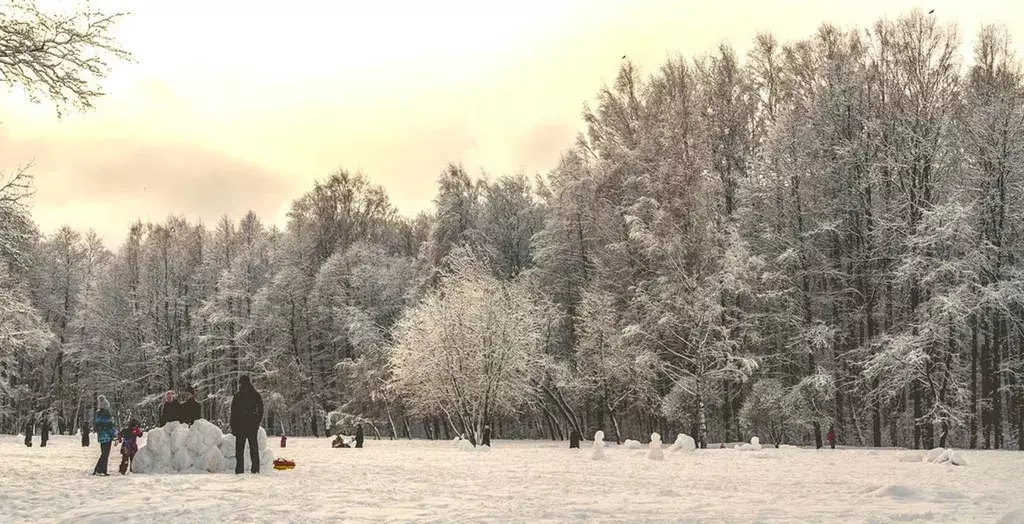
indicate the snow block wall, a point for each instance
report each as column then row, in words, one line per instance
column 201, row 448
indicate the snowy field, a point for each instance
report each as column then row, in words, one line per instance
column 533, row 481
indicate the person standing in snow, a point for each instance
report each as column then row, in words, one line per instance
column 44, row 430
column 359, row 435
column 831, row 438
column 85, row 433
column 28, row 431
column 129, row 439
column 486, row 440
column 103, row 421
column 574, row 439
column 189, row 410
column 246, row 415
column 169, row 412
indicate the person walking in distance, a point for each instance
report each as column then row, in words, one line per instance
column 246, row 415
column 359, row 436
column 486, row 440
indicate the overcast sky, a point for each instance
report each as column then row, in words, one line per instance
column 237, row 105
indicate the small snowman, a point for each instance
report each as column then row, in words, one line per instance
column 598, row 446
column 656, row 453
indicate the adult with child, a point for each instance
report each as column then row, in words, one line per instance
column 106, row 431
column 246, row 415
column 189, row 411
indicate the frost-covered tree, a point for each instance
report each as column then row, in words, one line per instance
column 471, row 348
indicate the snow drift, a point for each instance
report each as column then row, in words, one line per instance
column 201, row 448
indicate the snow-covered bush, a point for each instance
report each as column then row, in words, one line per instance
column 769, row 410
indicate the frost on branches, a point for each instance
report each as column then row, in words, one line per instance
column 471, row 347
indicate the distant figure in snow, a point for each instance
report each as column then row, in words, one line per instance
column 44, row 431
column 246, row 415
column 129, row 439
column 486, row 439
column 189, row 410
column 284, row 440
column 574, row 439
column 28, row 432
column 339, row 442
column 85, row 433
column 103, row 421
column 359, row 435
column 831, row 438
column 169, row 411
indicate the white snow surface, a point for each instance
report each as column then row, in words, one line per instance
column 517, row 481
column 201, row 448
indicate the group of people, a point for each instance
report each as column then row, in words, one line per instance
column 44, row 430
column 339, row 442
column 246, row 415
column 186, row 410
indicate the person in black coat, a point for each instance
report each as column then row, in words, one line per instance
column 169, row 412
column 28, row 432
column 574, row 439
column 44, row 431
column 486, row 440
column 189, row 410
column 85, row 434
column 359, row 436
column 246, row 415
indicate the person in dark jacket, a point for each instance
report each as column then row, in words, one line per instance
column 246, row 415
column 85, row 434
column 189, row 410
column 28, row 432
column 359, row 435
column 486, row 440
column 169, row 412
column 574, row 439
column 44, row 431
column 106, row 432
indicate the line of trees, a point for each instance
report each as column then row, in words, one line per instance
column 824, row 234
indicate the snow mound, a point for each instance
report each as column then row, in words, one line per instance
column 911, row 456
column 950, row 456
column 1014, row 516
column 655, row 452
column 684, row 442
column 483, row 449
column 465, row 445
column 598, row 446
column 896, row 492
column 754, row 445
column 632, row 444
column 201, row 448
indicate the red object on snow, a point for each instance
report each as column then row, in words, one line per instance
column 282, row 464
column 284, row 440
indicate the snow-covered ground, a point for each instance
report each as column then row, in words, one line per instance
column 518, row 482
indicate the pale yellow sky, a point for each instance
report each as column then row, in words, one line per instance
column 237, row 105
